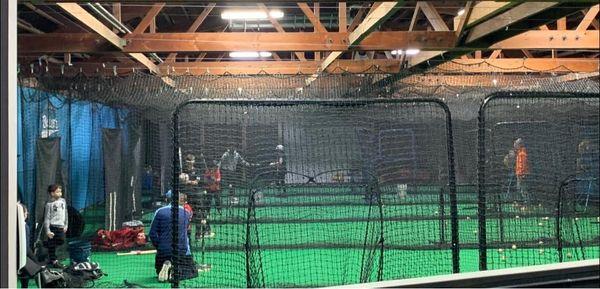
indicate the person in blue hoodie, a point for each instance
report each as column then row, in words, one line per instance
column 161, row 237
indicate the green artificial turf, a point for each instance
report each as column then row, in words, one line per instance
column 324, row 243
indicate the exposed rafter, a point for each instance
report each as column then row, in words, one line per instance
column 194, row 27
column 589, row 17
column 503, row 20
column 357, row 18
column 312, row 17
column 279, row 28
column 375, row 17
column 434, row 18
column 149, row 18
column 91, row 22
column 342, row 21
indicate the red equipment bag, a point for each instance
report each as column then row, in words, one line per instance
column 125, row 238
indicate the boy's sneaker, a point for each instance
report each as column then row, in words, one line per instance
column 209, row 235
column 163, row 275
column 203, row 267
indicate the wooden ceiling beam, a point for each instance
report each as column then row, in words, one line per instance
column 357, row 19
column 518, row 13
column 91, row 22
column 149, row 18
column 495, row 54
column 380, row 11
column 43, row 14
column 279, row 28
column 318, row 27
column 432, row 15
column 561, row 24
column 551, row 39
column 237, row 41
column 484, row 10
column 342, row 17
column 194, row 27
column 377, row 66
column 589, row 17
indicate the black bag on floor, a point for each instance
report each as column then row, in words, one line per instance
column 52, row 279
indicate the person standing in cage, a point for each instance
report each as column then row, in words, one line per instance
column 587, row 172
column 228, row 164
column 212, row 191
column 509, row 164
column 279, row 166
column 189, row 179
column 522, row 169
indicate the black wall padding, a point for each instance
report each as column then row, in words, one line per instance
column 112, row 151
column 132, row 182
column 47, row 155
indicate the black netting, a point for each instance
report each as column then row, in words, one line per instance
column 529, row 145
column 350, row 175
column 316, row 193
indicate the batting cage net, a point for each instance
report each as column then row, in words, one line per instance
column 538, row 178
column 317, row 193
column 346, row 179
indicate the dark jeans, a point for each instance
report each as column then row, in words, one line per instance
column 187, row 266
column 55, row 242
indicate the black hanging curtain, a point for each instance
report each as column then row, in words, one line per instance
column 48, row 172
column 112, row 151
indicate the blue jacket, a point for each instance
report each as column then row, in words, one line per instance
column 161, row 233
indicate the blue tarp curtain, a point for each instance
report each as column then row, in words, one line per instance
column 79, row 125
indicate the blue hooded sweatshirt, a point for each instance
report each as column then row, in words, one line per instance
column 161, row 233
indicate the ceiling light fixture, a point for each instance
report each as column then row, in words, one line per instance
column 250, row 14
column 412, row 51
column 461, row 12
column 249, row 54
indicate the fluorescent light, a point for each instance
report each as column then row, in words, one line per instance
column 250, row 14
column 249, row 54
column 461, row 12
column 412, row 51
column 276, row 14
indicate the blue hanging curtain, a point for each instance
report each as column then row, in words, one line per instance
column 79, row 125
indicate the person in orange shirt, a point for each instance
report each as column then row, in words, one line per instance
column 521, row 167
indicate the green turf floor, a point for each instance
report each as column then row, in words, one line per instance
column 324, row 241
